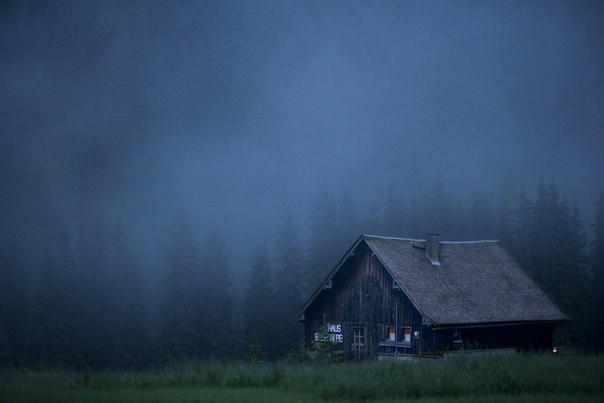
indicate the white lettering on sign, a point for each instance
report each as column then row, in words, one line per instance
column 334, row 334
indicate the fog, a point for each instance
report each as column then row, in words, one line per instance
column 239, row 112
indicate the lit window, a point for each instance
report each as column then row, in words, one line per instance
column 407, row 333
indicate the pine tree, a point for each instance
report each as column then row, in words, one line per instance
column 457, row 221
column 179, row 327
column 48, row 325
column 414, row 222
column 373, row 221
column 542, row 232
column 481, row 217
column 126, row 313
column 504, row 224
column 91, row 296
column 259, row 308
column 287, row 335
column 394, row 214
column 348, row 219
column 66, row 271
column 522, row 224
column 440, row 213
column 214, row 301
column 325, row 243
column 571, row 285
column 557, row 259
column 12, row 303
column 597, row 270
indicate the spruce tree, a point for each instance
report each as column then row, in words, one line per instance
column 325, row 242
column 258, row 307
column 542, row 233
column 597, row 283
column 522, row 224
column 481, row 217
column 179, row 319
column 457, row 221
column 126, row 342
column 414, row 222
column 557, row 258
column 441, row 213
column 91, row 296
column 12, row 307
column 394, row 214
column 572, row 283
column 214, row 300
column 504, row 224
column 69, row 302
column 288, row 297
column 48, row 325
column 348, row 220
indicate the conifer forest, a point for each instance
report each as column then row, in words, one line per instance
column 86, row 303
column 177, row 178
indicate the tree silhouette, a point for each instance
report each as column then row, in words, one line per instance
column 259, row 305
column 481, row 217
column 12, row 306
column 597, row 270
column 325, row 241
column 288, row 288
column 214, row 301
column 126, row 313
column 179, row 328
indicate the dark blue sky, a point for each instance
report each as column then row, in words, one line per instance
column 237, row 111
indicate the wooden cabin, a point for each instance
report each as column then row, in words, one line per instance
column 390, row 296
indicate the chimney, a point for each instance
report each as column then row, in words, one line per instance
column 432, row 249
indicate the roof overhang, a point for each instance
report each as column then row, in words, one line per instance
column 299, row 316
column 496, row 324
column 326, row 284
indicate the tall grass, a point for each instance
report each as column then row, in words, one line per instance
column 507, row 377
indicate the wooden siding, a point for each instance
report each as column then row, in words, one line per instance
column 362, row 296
column 536, row 336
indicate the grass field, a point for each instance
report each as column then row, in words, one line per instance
column 505, row 378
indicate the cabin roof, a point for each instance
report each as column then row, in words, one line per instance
column 476, row 282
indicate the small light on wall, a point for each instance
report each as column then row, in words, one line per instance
column 416, row 334
column 554, row 350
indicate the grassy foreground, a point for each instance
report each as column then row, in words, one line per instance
column 506, row 378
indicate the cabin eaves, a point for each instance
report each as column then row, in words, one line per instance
column 475, row 282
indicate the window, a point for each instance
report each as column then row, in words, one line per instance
column 358, row 339
column 407, row 334
column 391, row 333
column 457, row 336
column 398, row 334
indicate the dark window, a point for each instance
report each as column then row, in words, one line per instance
column 358, row 340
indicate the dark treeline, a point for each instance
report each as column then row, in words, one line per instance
column 85, row 305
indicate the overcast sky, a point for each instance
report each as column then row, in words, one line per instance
column 237, row 111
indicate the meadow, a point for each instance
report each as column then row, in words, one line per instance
column 505, row 378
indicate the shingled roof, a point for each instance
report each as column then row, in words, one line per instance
column 476, row 282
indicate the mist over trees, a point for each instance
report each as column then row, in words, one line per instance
column 176, row 178
column 86, row 307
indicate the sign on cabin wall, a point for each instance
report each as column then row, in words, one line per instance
column 333, row 334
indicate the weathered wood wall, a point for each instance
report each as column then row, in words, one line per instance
column 362, row 295
column 521, row 336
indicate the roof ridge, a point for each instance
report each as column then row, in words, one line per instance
column 392, row 237
column 423, row 240
column 477, row 241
